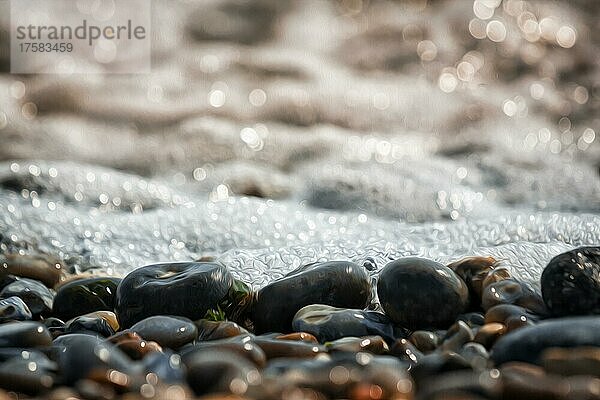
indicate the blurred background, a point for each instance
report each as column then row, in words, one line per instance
column 382, row 112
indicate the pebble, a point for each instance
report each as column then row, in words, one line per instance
column 244, row 346
column 46, row 269
column 571, row 282
column 456, row 336
column 425, row 341
column 489, row 333
column 329, row 323
column 84, row 296
column 473, row 270
column 369, row 344
column 572, row 361
column 133, row 345
column 79, row 355
column 335, row 283
column 511, row 291
column 527, row 344
column 33, row 293
column 167, row 331
column 275, row 348
column 187, row 289
column 220, row 371
column 24, row 334
column 28, row 372
column 14, row 309
column 417, row 293
column 94, row 323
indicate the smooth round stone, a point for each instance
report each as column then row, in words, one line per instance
column 275, row 348
column 24, row 334
column 167, row 331
column 369, row 344
column 490, row 333
column 425, row 341
column 571, row 282
column 37, row 296
column 417, row 293
column 335, row 283
column 187, row 289
column 329, row 323
column 79, row 355
column 527, row 344
column 222, row 371
column 568, row 362
column 167, row 366
column 406, row 351
column 27, row 372
column 473, row 319
column 244, row 346
column 511, row 291
column 14, row 309
column 45, row 269
column 298, row 336
column 346, row 376
column 84, row 296
column 91, row 324
column 133, row 345
column 503, row 312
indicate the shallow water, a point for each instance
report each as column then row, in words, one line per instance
column 358, row 144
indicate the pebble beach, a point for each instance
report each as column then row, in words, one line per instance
column 310, row 200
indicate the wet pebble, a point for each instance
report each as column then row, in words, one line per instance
column 489, row 333
column 572, row 361
column 167, row 331
column 329, row 323
column 244, row 346
column 369, row 344
column 223, row 371
column 14, row 309
column 571, row 282
column 134, row 345
column 93, row 323
column 43, row 268
column 27, row 372
column 456, row 336
column 187, row 289
column 335, row 283
column 511, row 291
column 79, row 356
column 166, row 366
column 417, row 293
column 425, row 341
column 24, row 334
column 527, row 344
column 84, row 296
column 37, row 296
column 275, row 348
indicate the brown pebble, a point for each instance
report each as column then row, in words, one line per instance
column 572, row 361
column 473, row 271
column 299, row 337
column 214, row 330
column 369, row 344
column 133, row 344
column 425, row 341
column 489, row 333
column 456, row 336
column 44, row 268
column 406, row 351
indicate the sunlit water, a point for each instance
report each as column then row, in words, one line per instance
column 377, row 131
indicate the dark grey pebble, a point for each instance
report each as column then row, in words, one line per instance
column 527, row 344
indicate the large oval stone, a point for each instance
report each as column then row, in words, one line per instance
column 527, row 344
column 571, row 282
column 417, row 293
column 187, row 289
column 335, row 283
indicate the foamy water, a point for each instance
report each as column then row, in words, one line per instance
column 367, row 133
